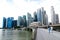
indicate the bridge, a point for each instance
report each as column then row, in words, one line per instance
column 38, row 25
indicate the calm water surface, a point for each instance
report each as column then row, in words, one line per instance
column 9, row 34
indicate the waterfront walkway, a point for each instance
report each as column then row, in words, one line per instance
column 43, row 34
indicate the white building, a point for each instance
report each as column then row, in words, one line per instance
column 53, row 15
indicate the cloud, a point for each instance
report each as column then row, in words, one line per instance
column 32, row 0
column 38, row 1
column 10, row 2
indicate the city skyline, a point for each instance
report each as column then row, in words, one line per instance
column 41, row 16
column 15, row 8
column 25, row 20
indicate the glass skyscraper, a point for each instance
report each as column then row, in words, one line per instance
column 35, row 16
column 39, row 16
column 14, row 23
column 18, row 21
column 4, row 22
column 25, row 22
column 9, row 22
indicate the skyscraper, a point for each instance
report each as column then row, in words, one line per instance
column 29, row 19
column 35, row 16
column 39, row 16
column 25, row 21
column 9, row 22
column 14, row 23
column 57, row 18
column 53, row 15
column 18, row 21
column 46, row 19
column 4, row 22
column 43, row 16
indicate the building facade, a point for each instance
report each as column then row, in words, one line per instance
column 25, row 21
column 29, row 19
column 35, row 16
column 4, row 22
column 46, row 19
column 14, row 23
column 9, row 22
column 39, row 16
column 18, row 21
column 57, row 18
column 53, row 15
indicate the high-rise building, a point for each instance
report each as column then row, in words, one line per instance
column 29, row 19
column 4, row 22
column 43, row 16
column 57, row 18
column 9, row 22
column 39, row 16
column 25, row 21
column 46, row 19
column 53, row 15
column 14, row 23
column 18, row 21
column 32, row 19
column 35, row 17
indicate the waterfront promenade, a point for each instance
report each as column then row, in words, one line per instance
column 43, row 34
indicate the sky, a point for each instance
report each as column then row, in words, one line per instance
column 15, row 8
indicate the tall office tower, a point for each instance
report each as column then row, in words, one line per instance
column 19, row 21
column 39, row 16
column 35, row 16
column 43, row 16
column 4, row 22
column 46, row 19
column 14, row 23
column 57, row 18
column 25, row 21
column 9, row 22
column 32, row 19
column 29, row 19
column 53, row 15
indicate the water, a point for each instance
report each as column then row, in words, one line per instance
column 15, row 35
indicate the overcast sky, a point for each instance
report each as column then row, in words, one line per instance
column 15, row 8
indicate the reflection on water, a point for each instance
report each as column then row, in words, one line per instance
column 15, row 35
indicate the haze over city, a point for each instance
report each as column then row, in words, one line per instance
column 15, row 8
